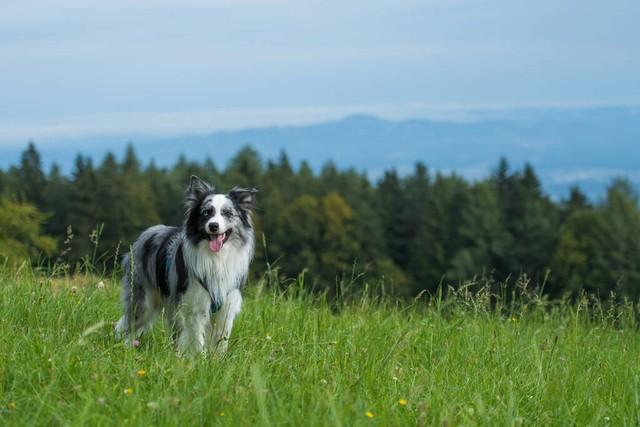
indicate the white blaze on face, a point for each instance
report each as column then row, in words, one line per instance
column 219, row 202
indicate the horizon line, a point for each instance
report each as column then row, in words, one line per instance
column 166, row 124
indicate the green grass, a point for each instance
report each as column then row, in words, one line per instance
column 293, row 362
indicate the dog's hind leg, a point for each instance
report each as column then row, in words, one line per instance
column 138, row 318
column 223, row 322
column 140, row 308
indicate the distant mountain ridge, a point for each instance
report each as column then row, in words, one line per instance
column 585, row 147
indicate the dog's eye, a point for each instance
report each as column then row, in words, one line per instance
column 206, row 213
column 227, row 213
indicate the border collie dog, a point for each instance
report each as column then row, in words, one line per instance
column 194, row 272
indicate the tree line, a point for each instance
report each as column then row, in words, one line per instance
column 412, row 233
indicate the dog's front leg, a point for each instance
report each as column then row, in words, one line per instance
column 223, row 321
column 191, row 321
column 191, row 332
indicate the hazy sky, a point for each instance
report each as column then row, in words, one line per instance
column 154, row 66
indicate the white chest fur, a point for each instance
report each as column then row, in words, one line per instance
column 220, row 272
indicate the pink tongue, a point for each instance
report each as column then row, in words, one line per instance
column 216, row 244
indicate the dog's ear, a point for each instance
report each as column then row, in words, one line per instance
column 244, row 198
column 196, row 191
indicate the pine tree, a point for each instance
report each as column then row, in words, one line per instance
column 83, row 206
column 300, row 236
column 57, row 203
column 245, row 169
column 391, row 207
column 111, row 196
column 484, row 240
column 579, row 262
column 441, row 236
column 305, row 180
column 621, row 238
column 530, row 220
column 3, row 183
column 130, row 164
column 137, row 201
column 577, row 200
column 167, row 194
column 32, row 178
column 418, row 189
column 533, row 226
column 329, row 178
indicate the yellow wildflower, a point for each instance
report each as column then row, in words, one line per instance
column 402, row 402
column 128, row 391
column 221, row 414
column 369, row 414
column 141, row 373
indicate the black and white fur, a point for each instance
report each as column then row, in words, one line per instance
column 194, row 272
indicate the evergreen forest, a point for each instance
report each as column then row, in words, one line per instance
column 405, row 234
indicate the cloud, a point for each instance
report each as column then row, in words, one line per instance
column 601, row 175
column 83, row 65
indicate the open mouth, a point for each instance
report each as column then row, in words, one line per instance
column 216, row 241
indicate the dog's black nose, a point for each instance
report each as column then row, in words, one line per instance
column 213, row 227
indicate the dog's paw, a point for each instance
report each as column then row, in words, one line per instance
column 222, row 345
column 119, row 330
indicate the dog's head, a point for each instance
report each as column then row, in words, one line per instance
column 218, row 218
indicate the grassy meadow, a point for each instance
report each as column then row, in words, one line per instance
column 464, row 360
